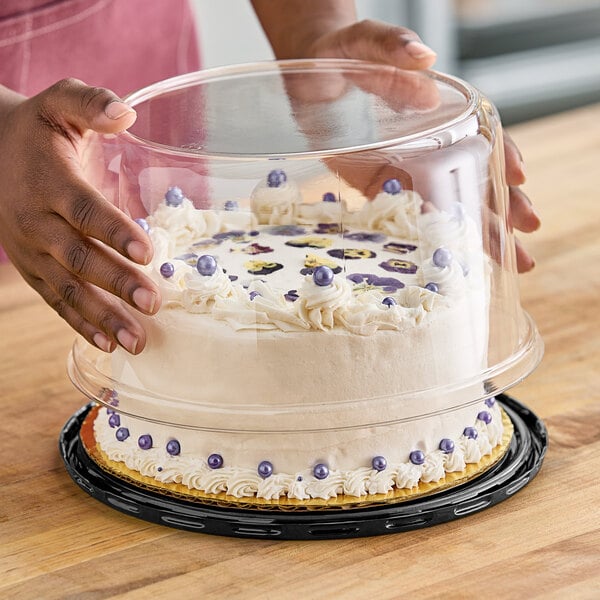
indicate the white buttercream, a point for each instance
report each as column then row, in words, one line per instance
column 276, row 205
column 202, row 290
column 319, row 305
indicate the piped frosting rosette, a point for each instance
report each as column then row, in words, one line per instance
column 184, row 223
column 392, row 214
column 320, row 305
column 202, row 290
column 275, row 200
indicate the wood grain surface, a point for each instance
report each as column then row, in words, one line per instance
column 57, row 542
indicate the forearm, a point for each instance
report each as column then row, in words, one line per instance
column 292, row 25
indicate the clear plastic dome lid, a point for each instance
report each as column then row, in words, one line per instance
column 332, row 247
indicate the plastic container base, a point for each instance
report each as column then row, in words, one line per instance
column 517, row 468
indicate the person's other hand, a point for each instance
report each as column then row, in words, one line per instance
column 69, row 243
column 384, row 43
column 521, row 213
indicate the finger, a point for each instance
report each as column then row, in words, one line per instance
column 525, row 262
column 515, row 168
column 92, row 262
column 380, row 42
column 521, row 212
column 89, row 331
column 88, row 309
column 87, row 211
column 400, row 90
column 72, row 105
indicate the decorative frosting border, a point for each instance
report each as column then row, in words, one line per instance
column 210, row 475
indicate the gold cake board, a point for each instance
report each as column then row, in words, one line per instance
column 182, row 492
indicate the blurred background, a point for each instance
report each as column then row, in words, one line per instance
column 530, row 57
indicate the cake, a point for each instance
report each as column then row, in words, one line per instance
column 307, row 351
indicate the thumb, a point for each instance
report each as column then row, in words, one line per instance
column 379, row 42
column 73, row 104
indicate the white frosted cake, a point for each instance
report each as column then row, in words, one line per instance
column 297, row 340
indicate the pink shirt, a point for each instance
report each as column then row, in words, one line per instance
column 120, row 44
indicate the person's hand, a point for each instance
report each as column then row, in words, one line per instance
column 384, row 43
column 521, row 213
column 69, row 243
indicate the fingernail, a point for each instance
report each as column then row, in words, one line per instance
column 523, row 172
column 102, row 342
column 127, row 340
column 419, row 50
column 144, row 299
column 116, row 110
column 138, row 252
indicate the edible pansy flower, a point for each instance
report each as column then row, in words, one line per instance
column 262, row 267
column 287, row 230
column 253, row 248
column 351, row 253
column 399, row 248
column 368, row 281
column 310, row 242
column 365, row 236
column 329, row 228
column 399, row 266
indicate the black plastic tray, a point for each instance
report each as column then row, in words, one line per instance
column 516, row 469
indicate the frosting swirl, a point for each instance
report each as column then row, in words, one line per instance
column 319, row 305
column 201, row 290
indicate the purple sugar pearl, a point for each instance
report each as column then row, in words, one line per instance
column 392, row 186
column 145, row 442
column 253, row 295
column 432, row 287
column 231, row 205
column 379, row 463
column 276, row 178
column 167, row 269
column 215, row 461
column 470, row 432
column 173, row 447
column 265, row 469
column 114, row 420
column 417, row 457
column 143, row 224
column 323, row 276
column 321, row 471
column 174, row 196
column 489, row 402
column 122, row 434
column 329, row 197
column 446, row 446
column 485, row 416
column 442, row 257
column 389, row 301
column 206, row 265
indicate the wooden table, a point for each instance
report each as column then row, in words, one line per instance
column 58, row 542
